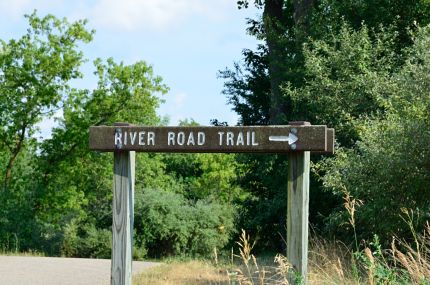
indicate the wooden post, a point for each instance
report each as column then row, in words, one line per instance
column 123, row 211
column 298, row 212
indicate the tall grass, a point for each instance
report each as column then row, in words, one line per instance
column 331, row 262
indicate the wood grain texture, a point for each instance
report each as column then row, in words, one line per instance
column 122, row 227
column 310, row 138
column 298, row 212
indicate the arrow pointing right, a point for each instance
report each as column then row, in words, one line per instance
column 291, row 138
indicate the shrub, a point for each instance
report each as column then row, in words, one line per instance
column 388, row 168
column 86, row 241
column 168, row 224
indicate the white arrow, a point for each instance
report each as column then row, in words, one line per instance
column 292, row 138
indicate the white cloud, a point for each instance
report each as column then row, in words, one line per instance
column 131, row 15
column 16, row 8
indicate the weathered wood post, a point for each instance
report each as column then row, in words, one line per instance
column 123, row 212
column 298, row 212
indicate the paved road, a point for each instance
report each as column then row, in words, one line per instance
column 23, row 270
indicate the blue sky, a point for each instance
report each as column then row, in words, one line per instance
column 186, row 42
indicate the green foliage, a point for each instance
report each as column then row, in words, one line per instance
column 59, row 199
column 168, row 224
column 401, row 15
column 86, row 241
column 388, row 168
column 338, row 66
column 248, row 87
column 380, row 266
column 347, row 79
column 34, row 75
column 124, row 93
column 206, row 175
column 35, row 71
column 19, row 228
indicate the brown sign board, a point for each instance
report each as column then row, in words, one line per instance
column 252, row 139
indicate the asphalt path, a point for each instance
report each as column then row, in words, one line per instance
column 25, row 270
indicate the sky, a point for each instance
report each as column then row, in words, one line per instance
column 186, row 41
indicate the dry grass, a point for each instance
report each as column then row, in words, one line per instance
column 415, row 260
column 255, row 272
column 330, row 263
column 183, row 273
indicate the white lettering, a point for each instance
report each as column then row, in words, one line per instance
column 118, row 137
column 239, row 140
column 181, row 138
column 221, row 134
column 253, row 139
column 201, row 138
column 133, row 137
column 191, row 139
column 170, row 138
column 230, row 138
column 125, row 138
column 151, row 138
column 141, row 138
column 248, row 138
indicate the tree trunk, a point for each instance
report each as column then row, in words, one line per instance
column 275, row 25
column 14, row 153
column 9, row 166
column 272, row 21
column 301, row 11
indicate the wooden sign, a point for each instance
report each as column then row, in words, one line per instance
column 298, row 139
column 256, row 139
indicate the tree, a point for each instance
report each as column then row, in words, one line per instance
column 388, row 168
column 62, row 190
column 34, row 75
column 285, row 27
column 124, row 93
column 324, row 66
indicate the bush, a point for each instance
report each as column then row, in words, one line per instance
column 88, row 241
column 168, row 224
